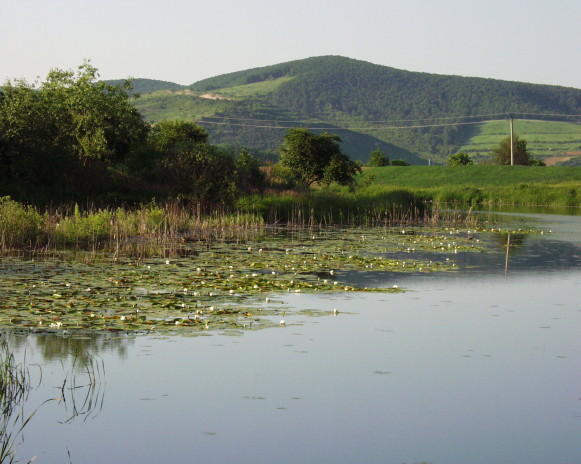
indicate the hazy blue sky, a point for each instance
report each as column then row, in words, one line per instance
column 187, row 40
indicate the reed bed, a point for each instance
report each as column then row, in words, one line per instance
column 159, row 229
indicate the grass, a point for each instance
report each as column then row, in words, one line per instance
column 480, row 176
column 161, row 105
column 256, row 89
column 482, row 184
column 544, row 138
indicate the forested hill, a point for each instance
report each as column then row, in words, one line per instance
column 148, row 85
column 361, row 102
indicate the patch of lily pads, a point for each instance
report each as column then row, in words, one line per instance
column 214, row 285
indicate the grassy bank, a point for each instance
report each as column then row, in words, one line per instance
column 147, row 229
column 482, row 184
column 384, row 196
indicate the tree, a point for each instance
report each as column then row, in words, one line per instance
column 522, row 156
column 166, row 135
column 378, row 159
column 316, row 158
column 248, row 173
column 97, row 118
column 459, row 159
column 204, row 173
column 399, row 162
column 62, row 136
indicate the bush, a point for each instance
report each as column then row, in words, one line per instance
column 19, row 224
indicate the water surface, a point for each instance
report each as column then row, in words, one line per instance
column 479, row 366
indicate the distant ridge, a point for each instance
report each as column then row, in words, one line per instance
column 143, row 86
column 360, row 101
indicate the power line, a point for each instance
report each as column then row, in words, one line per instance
column 421, row 126
column 275, row 124
column 372, row 121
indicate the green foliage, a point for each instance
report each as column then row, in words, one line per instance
column 96, row 118
column 142, row 86
column 378, row 159
column 459, row 159
column 485, row 184
column 316, row 158
column 399, row 162
column 62, row 136
column 522, row 156
column 200, row 172
column 544, row 138
column 249, row 176
column 19, row 224
column 166, row 135
column 84, row 229
column 348, row 93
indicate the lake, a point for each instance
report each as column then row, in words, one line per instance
column 478, row 365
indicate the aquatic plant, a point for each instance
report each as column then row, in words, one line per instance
column 14, row 388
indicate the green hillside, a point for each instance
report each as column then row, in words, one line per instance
column 143, row 86
column 371, row 106
column 545, row 139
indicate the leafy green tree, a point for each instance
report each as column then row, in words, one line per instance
column 316, row 158
column 61, row 137
column 459, row 159
column 522, row 156
column 248, row 173
column 167, row 134
column 98, row 119
column 203, row 173
column 378, row 159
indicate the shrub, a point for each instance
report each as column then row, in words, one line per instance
column 19, row 224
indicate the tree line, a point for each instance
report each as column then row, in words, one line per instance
column 76, row 138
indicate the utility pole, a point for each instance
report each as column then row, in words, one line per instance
column 511, row 142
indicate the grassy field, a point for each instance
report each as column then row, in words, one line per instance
column 474, row 176
column 256, row 89
column 482, row 184
column 544, row 138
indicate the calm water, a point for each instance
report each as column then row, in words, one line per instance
column 478, row 366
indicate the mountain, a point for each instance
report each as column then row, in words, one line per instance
column 369, row 106
column 148, row 85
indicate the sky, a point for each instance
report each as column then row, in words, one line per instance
column 184, row 41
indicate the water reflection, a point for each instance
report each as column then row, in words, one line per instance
column 459, row 369
column 69, row 347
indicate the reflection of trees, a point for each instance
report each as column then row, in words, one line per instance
column 55, row 347
column 82, row 389
column 79, row 347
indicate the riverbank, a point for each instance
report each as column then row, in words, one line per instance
column 489, row 185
